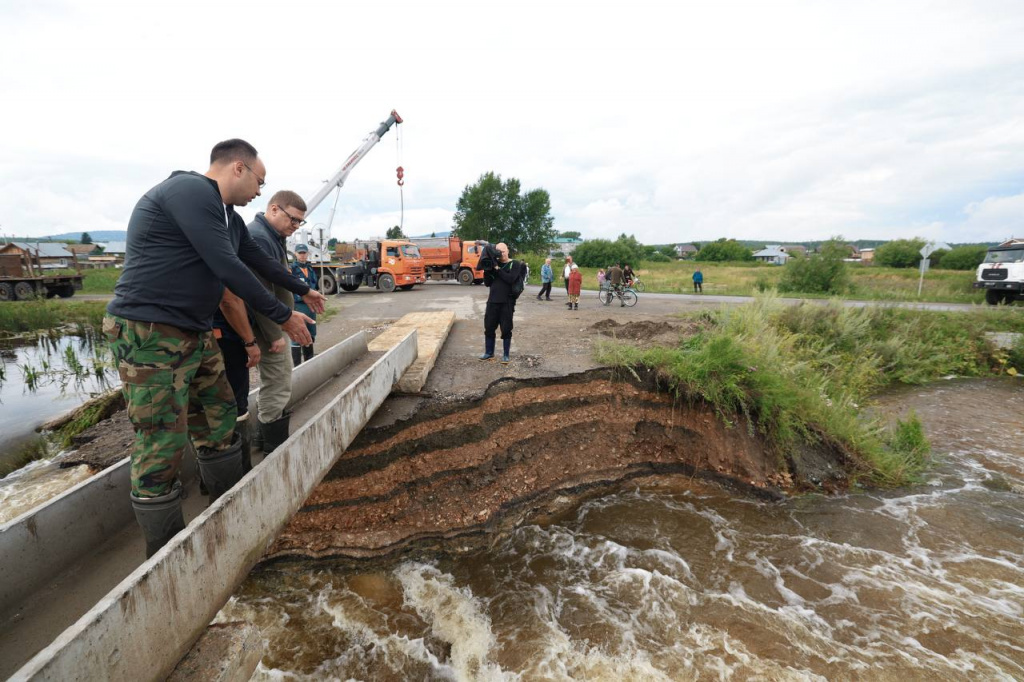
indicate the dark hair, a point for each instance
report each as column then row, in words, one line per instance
column 286, row 197
column 233, row 150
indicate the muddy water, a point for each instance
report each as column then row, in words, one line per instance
column 68, row 371
column 676, row 582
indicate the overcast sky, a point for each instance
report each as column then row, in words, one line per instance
column 678, row 121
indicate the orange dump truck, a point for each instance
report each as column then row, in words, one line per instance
column 450, row 258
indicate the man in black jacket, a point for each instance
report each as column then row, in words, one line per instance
column 501, row 302
column 181, row 251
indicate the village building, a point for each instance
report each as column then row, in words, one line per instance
column 46, row 255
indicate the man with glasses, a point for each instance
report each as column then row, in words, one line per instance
column 181, row 252
column 285, row 214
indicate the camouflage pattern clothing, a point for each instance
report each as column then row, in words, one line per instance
column 174, row 385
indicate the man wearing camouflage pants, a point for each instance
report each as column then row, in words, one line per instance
column 179, row 256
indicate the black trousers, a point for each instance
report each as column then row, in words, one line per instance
column 545, row 290
column 235, row 359
column 499, row 314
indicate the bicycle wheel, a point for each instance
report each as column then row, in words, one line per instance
column 604, row 296
column 629, row 297
column 639, row 286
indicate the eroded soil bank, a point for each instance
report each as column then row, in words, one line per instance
column 457, row 473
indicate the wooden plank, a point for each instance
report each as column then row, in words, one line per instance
column 431, row 331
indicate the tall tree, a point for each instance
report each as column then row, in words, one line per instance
column 395, row 233
column 495, row 210
column 86, row 239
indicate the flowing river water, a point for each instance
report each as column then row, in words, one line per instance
column 676, row 581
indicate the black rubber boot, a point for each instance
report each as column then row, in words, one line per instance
column 488, row 349
column 244, row 429
column 296, row 356
column 160, row 518
column 275, row 432
column 307, row 352
column 221, row 469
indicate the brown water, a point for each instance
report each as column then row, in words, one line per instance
column 670, row 583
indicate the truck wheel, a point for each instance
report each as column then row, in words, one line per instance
column 993, row 297
column 465, row 276
column 349, row 287
column 66, row 291
column 6, row 291
column 24, row 291
column 386, row 283
column 327, row 283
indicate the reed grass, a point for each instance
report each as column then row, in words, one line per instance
column 800, row 374
column 19, row 317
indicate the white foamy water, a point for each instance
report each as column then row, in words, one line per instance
column 660, row 584
column 34, row 484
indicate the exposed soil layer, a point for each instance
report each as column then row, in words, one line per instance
column 641, row 330
column 102, row 445
column 458, row 472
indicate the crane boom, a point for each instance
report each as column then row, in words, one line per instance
column 338, row 179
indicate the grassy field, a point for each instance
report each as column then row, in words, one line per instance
column 18, row 317
column 870, row 283
column 100, row 281
column 802, row 373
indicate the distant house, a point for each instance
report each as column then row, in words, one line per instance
column 685, row 250
column 867, row 255
column 117, row 249
column 565, row 244
column 793, row 249
column 49, row 255
column 772, row 253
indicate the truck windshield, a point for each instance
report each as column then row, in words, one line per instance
column 411, row 251
column 1007, row 256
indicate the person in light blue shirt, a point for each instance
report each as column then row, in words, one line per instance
column 698, row 282
column 547, row 276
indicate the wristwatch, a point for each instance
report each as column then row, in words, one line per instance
column 250, row 344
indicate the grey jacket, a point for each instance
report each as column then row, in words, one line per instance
column 273, row 245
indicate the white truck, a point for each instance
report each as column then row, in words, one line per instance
column 1001, row 274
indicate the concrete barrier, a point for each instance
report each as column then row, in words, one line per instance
column 143, row 627
column 47, row 540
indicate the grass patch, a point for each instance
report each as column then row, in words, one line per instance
column 100, row 280
column 798, row 374
column 19, row 317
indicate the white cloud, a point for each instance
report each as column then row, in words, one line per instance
column 672, row 121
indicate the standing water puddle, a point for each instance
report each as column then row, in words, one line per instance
column 667, row 584
column 40, row 379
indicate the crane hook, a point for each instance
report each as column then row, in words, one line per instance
column 401, row 174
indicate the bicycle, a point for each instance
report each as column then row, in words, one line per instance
column 628, row 297
column 636, row 284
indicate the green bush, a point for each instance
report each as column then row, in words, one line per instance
column 900, row 253
column 724, row 250
column 825, row 273
column 963, row 258
column 600, row 253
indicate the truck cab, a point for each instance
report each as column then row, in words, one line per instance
column 470, row 263
column 1001, row 274
column 386, row 265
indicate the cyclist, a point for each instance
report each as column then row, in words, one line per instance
column 615, row 280
column 627, row 275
